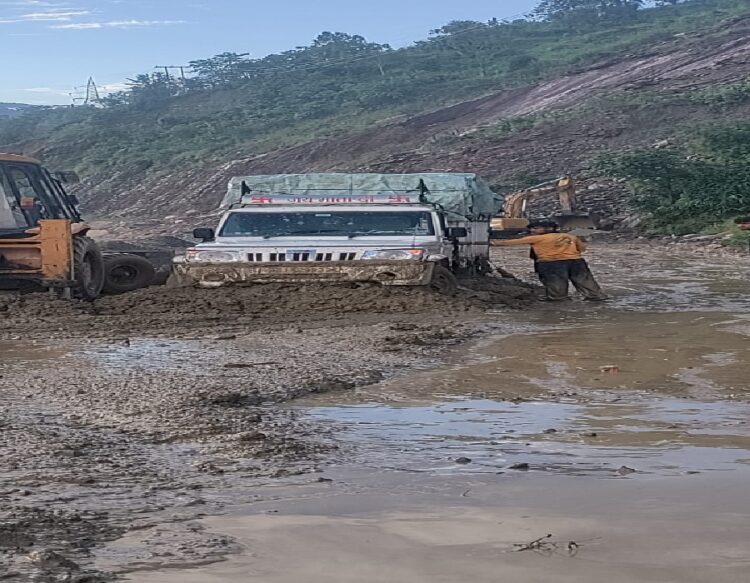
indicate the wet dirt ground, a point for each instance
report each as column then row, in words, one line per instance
column 444, row 448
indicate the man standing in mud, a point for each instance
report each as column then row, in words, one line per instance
column 558, row 260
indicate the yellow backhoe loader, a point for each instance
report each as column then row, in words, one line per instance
column 515, row 217
column 44, row 242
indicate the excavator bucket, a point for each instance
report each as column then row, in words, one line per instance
column 570, row 219
column 515, row 217
column 575, row 222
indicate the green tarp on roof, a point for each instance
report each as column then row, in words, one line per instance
column 466, row 195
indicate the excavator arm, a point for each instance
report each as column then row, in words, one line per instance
column 566, row 189
column 515, row 217
column 515, row 204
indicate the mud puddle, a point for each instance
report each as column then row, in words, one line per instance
column 22, row 351
column 653, row 437
column 145, row 354
column 582, row 391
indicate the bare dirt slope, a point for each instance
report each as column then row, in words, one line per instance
column 444, row 140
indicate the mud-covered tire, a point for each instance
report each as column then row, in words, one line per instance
column 88, row 269
column 443, row 281
column 125, row 273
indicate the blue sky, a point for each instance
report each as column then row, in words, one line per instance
column 50, row 46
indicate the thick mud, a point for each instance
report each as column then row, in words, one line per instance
column 158, row 311
column 309, row 422
column 123, row 414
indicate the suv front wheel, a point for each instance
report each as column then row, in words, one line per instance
column 443, row 281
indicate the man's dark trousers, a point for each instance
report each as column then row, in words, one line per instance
column 555, row 276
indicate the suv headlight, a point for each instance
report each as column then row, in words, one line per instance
column 199, row 256
column 394, row 254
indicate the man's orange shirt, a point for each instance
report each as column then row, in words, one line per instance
column 551, row 246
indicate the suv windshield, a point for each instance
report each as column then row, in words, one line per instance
column 338, row 223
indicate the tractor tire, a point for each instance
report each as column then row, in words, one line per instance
column 443, row 281
column 125, row 273
column 88, row 269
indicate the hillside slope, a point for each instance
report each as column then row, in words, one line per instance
column 513, row 137
column 518, row 102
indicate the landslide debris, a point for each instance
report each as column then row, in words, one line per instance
column 186, row 311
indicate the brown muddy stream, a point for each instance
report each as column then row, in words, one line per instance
column 597, row 442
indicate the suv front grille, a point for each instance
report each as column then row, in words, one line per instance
column 300, row 257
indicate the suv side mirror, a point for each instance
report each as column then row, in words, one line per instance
column 205, row 234
column 456, row 232
column 67, row 177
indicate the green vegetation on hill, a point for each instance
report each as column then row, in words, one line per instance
column 12, row 110
column 686, row 188
column 234, row 106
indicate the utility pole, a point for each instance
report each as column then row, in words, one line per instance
column 87, row 95
column 168, row 68
column 92, row 93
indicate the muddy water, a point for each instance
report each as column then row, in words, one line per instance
column 602, row 442
column 438, row 530
column 29, row 352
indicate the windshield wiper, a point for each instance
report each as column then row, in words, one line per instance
column 302, row 233
column 362, row 234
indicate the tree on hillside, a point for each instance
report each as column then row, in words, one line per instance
column 586, row 10
column 329, row 48
column 338, row 44
column 482, row 48
column 465, row 38
column 148, row 90
column 219, row 69
column 340, row 47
